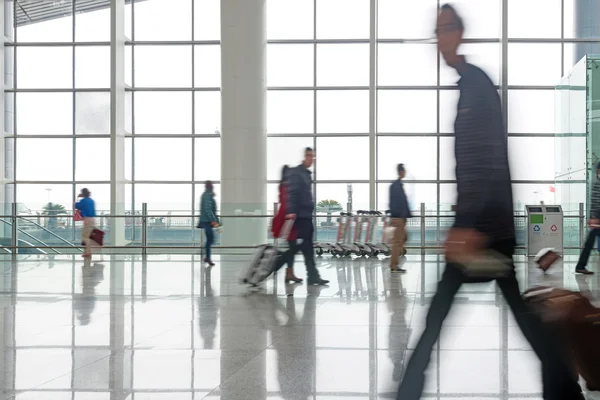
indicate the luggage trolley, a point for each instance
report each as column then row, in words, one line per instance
column 376, row 248
column 345, row 240
column 387, row 234
column 335, row 248
column 361, row 248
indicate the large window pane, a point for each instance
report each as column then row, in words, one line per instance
column 342, row 111
column 407, row 64
column 207, row 159
column 35, row 197
column 484, row 55
column 339, row 193
column 207, row 66
column 174, row 17
column 342, row 158
column 534, row 18
column 343, row 64
column 92, row 161
column 531, row 111
column 416, row 193
column 92, row 113
column 406, row 19
column 353, row 25
column 163, row 112
column 531, row 158
column 447, row 196
column 448, row 110
column 524, row 194
column 447, row 159
column 207, row 20
column 54, row 30
column 92, row 67
column 285, row 151
column 44, row 113
column 290, row 111
column 164, row 197
column 57, row 65
column 91, row 26
column 524, row 67
column 207, row 113
column 290, row 65
column 481, row 18
column 418, row 154
column 412, row 111
column 44, row 159
column 290, row 19
column 163, row 66
column 158, row 159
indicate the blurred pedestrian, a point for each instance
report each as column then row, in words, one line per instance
column 399, row 212
column 87, row 209
column 484, row 220
column 208, row 219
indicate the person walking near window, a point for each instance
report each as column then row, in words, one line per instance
column 300, row 208
column 288, row 256
column 484, row 222
column 87, row 208
column 399, row 212
column 208, row 219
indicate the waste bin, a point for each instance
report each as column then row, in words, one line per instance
column 544, row 228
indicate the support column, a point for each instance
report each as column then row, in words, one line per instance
column 243, row 133
column 6, row 115
column 586, row 26
column 373, row 107
column 117, row 121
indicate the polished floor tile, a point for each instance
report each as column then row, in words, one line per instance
column 165, row 327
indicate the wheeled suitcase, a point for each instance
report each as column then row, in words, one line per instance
column 265, row 258
column 577, row 323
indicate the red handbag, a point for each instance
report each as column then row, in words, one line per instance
column 77, row 216
column 97, row 236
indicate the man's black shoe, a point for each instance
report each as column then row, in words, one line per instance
column 317, row 281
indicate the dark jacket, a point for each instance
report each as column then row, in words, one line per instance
column 300, row 198
column 483, row 180
column 595, row 208
column 398, row 202
column 208, row 208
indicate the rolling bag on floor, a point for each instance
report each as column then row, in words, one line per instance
column 577, row 322
column 264, row 258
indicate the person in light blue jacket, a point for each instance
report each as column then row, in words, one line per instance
column 208, row 219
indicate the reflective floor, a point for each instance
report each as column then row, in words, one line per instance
column 167, row 328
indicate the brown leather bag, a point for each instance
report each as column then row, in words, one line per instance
column 577, row 323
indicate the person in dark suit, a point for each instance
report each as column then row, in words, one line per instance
column 399, row 212
column 484, row 221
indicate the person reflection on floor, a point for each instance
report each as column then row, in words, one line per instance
column 85, row 303
column 399, row 330
column 208, row 311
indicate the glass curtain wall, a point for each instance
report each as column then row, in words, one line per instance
column 322, row 71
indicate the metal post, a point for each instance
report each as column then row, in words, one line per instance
column 144, row 228
column 14, row 239
column 581, row 225
column 422, row 228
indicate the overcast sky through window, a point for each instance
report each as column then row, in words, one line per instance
column 339, row 111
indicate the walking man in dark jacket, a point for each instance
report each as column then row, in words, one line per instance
column 400, row 212
column 300, row 207
column 594, row 224
column 484, row 221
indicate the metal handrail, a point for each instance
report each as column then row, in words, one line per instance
column 50, row 232
column 44, row 245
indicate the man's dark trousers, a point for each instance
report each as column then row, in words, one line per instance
column 559, row 382
column 587, row 249
column 305, row 245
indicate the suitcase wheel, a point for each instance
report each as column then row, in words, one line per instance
column 319, row 251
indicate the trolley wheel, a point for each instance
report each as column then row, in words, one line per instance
column 347, row 253
column 319, row 252
column 404, row 252
column 334, row 253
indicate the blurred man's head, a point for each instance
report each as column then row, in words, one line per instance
column 309, row 157
column 401, row 171
column 449, row 32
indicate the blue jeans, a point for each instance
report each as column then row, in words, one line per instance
column 210, row 237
